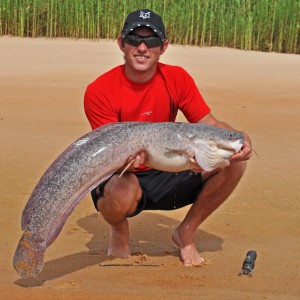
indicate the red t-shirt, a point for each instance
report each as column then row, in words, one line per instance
column 112, row 97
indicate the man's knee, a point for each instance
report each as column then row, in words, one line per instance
column 121, row 195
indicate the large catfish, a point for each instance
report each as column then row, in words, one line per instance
column 98, row 155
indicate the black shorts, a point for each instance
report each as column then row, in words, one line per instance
column 162, row 190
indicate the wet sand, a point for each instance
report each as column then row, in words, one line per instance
column 42, row 83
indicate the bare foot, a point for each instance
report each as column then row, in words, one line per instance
column 119, row 240
column 189, row 255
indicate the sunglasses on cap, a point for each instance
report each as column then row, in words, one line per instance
column 150, row 41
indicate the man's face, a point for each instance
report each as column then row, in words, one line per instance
column 142, row 58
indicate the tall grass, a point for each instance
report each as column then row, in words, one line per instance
column 263, row 25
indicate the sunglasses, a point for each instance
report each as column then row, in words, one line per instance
column 150, row 41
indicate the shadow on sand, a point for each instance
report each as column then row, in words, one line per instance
column 147, row 232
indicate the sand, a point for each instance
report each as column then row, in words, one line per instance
column 42, row 83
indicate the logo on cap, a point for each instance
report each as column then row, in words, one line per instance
column 145, row 15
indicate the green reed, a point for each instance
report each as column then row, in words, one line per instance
column 262, row 25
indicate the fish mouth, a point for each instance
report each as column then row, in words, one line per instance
column 231, row 146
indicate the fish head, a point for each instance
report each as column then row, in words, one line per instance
column 216, row 152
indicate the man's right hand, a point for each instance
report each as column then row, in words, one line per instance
column 134, row 162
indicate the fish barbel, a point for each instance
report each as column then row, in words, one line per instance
column 95, row 157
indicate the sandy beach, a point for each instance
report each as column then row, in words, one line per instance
column 42, row 83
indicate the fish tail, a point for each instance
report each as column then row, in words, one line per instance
column 28, row 261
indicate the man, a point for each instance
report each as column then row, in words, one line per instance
column 148, row 91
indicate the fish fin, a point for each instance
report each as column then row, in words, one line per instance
column 209, row 156
column 205, row 155
column 202, row 162
column 126, row 168
column 28, row 261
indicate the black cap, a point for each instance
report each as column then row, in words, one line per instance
column 144, row 17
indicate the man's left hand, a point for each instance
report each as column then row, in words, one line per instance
column 246, row 151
